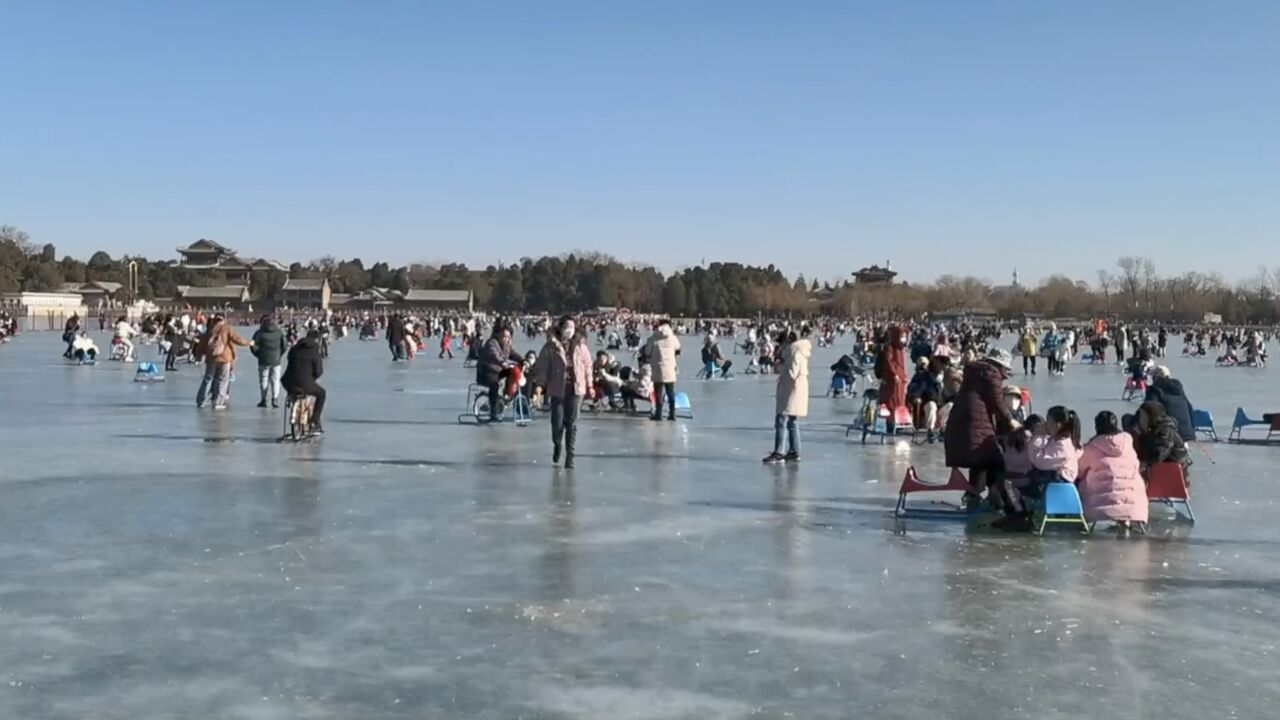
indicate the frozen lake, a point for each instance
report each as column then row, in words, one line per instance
column 162, row 562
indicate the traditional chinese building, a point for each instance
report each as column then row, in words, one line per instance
column 875, row 274
column 206, row 258
column 306, row 293
column 225, row 297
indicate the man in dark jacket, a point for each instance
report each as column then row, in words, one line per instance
column 305, row 367
column 1169, row 393
column 395, row 337
column 268, row 346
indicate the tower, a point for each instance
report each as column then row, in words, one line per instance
column 1015, row 277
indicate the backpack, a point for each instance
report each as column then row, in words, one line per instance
column 217, row 344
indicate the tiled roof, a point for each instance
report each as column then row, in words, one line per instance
column 226, row 292
column 304, row 284
column 451, row 296
column 207, row 246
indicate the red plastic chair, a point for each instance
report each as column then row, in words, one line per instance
column 1168, row 484
column 911, row 483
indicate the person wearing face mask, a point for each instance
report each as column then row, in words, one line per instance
column 891, row 369
column 563, row 368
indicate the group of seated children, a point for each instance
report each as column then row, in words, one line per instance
column 1109, row 471
column 616, row 387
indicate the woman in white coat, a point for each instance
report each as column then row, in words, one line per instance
column 792, row 396
column 662, row 350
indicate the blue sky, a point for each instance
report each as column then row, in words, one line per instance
column 966, row 137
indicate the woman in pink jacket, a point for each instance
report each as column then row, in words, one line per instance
column 1110, row 483
column 563, row 368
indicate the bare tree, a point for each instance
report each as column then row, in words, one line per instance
column 1106, row 282
column 1148, row 269
column 325, row 264
column 1130, row 278
column 19, row 238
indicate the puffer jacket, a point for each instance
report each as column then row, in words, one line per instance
column 924, row 385
column 1110, row 484
column 269, row 345
column 1169, row 393
column 553, row 364
column 225, row 335
column 305, row 366
column 1057, row 455
column 1163, row 444
column 793, row 380
column 978, row 412
column 661, row 351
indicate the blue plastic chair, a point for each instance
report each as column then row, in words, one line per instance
column 683, row 406
column 1241, row 422
column 1202, row 421
column 147, row 372
column 1061, row 504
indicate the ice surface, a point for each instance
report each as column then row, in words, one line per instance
column 160, row 562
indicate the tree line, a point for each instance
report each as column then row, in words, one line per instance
column 586, row 280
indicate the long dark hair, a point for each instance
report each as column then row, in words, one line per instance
column 1068, row 423
column 1105, row 423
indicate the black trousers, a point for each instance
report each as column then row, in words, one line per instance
column 497, row 402
column 564, row 422
column 669, row 389
column 992, row 478
column 314, row 390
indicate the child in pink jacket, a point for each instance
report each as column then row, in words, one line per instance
column 1110, row 483
column 1055, row 450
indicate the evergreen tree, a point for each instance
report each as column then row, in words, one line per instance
column 691, row 301
column 674, row 298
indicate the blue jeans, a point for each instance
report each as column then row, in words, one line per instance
column 216, row 383
column 793, row 434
